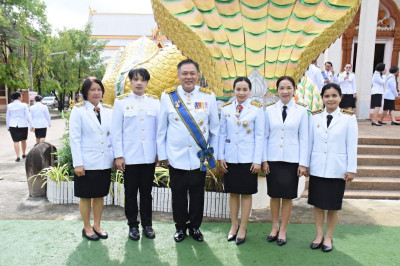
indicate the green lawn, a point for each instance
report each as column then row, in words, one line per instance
column 60, row 243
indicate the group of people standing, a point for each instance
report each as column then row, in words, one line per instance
column 384, row 87
column 184, row 133
column 19, row 119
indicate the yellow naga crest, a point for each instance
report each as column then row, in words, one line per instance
column 160, row 62
column 231, row 38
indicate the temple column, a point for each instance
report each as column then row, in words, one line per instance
column 366, row 48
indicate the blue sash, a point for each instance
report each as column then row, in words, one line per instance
column 205, row 154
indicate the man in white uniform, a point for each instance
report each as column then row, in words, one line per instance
column 314, row 74
column 186, row 141
column 133, row 133
column 329, row 74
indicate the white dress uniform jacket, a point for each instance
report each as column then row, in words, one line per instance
column 90, row 141
column 241, row 138
column 391, row 91
column 134, row 128
column 40, row 115
column 331, row 77
column 286, row 141
column 314, row 73
column 378, row 83
column 18, row 115
column 174, row 141
column 347, row 86
column 333, row 150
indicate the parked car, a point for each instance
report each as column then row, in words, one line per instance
column 50, row 101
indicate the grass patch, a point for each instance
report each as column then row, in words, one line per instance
column 60, row 243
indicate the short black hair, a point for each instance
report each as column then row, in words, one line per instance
column 87, row 83
column 380, row 67
column 188, row 61
column 394, row 69
column 15, row 95
column 285, row 78
column 331, row 86
column 328, row 62
column 239, row 79
column 133, row 73
column 38, row 98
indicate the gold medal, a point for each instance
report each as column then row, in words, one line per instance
column 245, row 123
column 248, row 131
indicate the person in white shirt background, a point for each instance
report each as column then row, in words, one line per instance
column 391, row 92
column 347, row 82
column 240, row 148
column 378, row 84
column 332, row 153
column 40, row 119
column 329, row 74
column 18, row 119
column 314, row 74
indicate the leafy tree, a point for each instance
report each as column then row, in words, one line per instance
column 20, row 21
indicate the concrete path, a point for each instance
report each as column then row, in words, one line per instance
column 16, row 204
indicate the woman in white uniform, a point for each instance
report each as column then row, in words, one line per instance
column 285, row 154
column 347, row 82
column 40, row 119
column 18, row 119
column 378, row 84
column 391, row 93
column 239, row 153
column 333, row 136
column 92, row 155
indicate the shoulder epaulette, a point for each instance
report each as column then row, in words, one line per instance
column 152, row 96
column 302, row 104
column 107, row 106
column 227, row 103
column 205, row 90
column 80, row 104
column 317, row 111
column 271, row 103
column 347, row 112
column 170, row 90
column 256, row 104
column 123, row 96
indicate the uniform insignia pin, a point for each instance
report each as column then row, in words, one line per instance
column 201, row 122
column 177, row 104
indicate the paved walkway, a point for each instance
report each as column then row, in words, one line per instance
column 16, row 204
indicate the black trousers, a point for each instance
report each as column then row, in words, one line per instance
column 183, row 182
column 138, row 177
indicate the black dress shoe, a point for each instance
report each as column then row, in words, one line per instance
column 93, row 237
column 179, row 235
column 395, row 123
column 196, row 234
column 316, row 245
column 134, row 233
column 327, row 248
column 102, row 235
column 376, row 124
column 382, row 123
column 231, row 237
column 272, row 238
column 18, row 159
column 23, row 156
column 281, row 242
column 149, row 232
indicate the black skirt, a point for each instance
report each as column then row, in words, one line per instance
column 326, row 193
column 388, row 105
column 240, row 180
column 347, row 101
column 94, row 184
column 40, row 132
column 19, row 133
column 376, row 100
column 282, row 181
